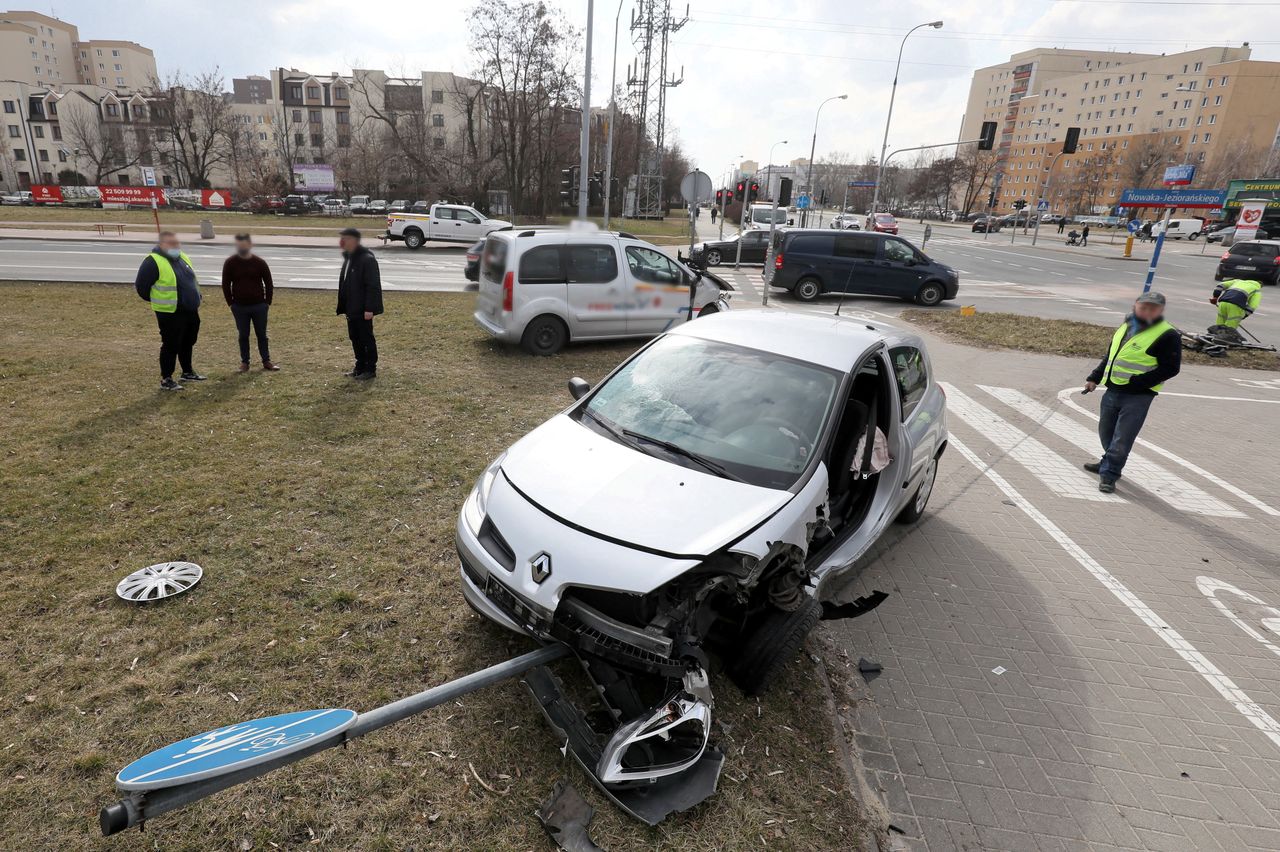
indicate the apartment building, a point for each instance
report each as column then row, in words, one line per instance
column 1213, row 107
column 44, row 51
column 121, row 65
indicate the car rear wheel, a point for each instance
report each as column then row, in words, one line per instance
column 930, row 294
column 807, row 289
column 708, row 309
column 713, row 258
column 1193, row 236
column 914, row 510
column 776, row 640
column 546, row 335
column 413, row 239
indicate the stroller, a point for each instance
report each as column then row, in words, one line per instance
column 1073, row 238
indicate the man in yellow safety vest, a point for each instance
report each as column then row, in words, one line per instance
column 167, row 280
column 1145, row 352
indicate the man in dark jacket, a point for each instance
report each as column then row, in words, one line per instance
column 360, row 300
column 1145, row 352
column 167, row 280
column 248, row 289
column 1084, row 236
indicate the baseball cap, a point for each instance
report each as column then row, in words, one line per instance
column 1151, row 297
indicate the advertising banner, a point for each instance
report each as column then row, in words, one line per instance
column 313, row 177
column 111, row 194
column 1251, row 211
column 46, row 193
column 217, row 199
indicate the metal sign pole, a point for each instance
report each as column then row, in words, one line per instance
column 767, row 275
column 1155, row 253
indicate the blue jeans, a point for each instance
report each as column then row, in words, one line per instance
column 1119, row 422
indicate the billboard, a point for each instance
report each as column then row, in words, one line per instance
column 111, row 194
column 313, row 177
column 1258, row 188
column 47, row 193
column 216, row 199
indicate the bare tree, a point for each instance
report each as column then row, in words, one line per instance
column 1145, row 160
column 976, row 177
column 200, row 122
column 97, row 142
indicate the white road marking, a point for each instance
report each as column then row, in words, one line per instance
column 1210, row 587
column 1061, row 477
column 1169, row 487
column 1065, row 396
column 1222, row 684
column 1223, row 398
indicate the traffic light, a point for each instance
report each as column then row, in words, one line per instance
column 754, row 192
column 566, row 186
column 595, row 188
column 728, row 196
column 719, row 196
column 784, row 192
column 987, row 139
column 991, row 199
column 742, row 190
column 1019, row 204
column 1072, row 141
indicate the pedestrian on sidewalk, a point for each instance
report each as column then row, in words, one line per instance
column 1062, row 224
column 246, row 285
column 1146, row 351
column 360, row 299
column 167, row 280
column 1084, row 236
column 713, row 215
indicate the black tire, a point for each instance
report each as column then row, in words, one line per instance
column 413, row 239
column 1194, row 236
column 914, row 510
column 807, row 289
column 545, row 335
column 774, row 643
column 708, row 309
column 713, row 257
column 930, row 294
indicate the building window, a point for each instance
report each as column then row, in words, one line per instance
column 113, row 110
column 38, row 130
column 437, row 120
column 117, row 67
column 1194, row 137
column 19, row 155
column 313, row 93
column 1223, row 82
column 297, row 116
column 13, row 131
column 262, row 136
column 1217, row 100
column 339, row 93
column 313, row 115
column 439, row 141
column 344, row 117
column 62, row 156
column 298, row 139
column 315, row 140
column 119, row 81
column 44, row 155
column 437, row 96
column 1213, row 119
column 57, row 133
column 10, row 107
column 98, row 51
column 295, row 93
column 344, row 141
column 1206, row 138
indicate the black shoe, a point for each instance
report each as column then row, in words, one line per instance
column 1093, row 467
column 354, row 371
column 169, row 384
column 193, row 377
column 1107, row 486
column 365, row 376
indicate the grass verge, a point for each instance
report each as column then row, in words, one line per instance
column 322, row 511
column 1057, row 337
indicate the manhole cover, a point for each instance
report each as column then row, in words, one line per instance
column 156, row 582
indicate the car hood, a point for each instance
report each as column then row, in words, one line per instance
column 496, row 224
column 598, row 485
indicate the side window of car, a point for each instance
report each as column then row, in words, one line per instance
column 445, row 213
column 468, row 217
column 897, row 250
column 652, row 267
column 542, row 265
column 913, row 376
column 755, row 239
column 860, row 246
column 591, row 264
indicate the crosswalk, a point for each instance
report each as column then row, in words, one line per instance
column 1034, row 436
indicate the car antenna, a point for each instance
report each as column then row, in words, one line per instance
column 840, row 303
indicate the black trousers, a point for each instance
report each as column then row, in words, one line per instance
column 257, row 315
column 364, row 346
column 178, row 333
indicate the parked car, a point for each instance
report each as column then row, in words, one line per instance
column 17, row 198
column 982, row 224
column 740, row 436
column 1256, row 260
column 811, row 262
column 1052, row 219
column 883, row 223
column 377, row 206
column 400, row 205
column 359, row 204
column 755, row 245
column 335, row 207
column 420, row 207
column 546, row 288
column 846, row 222
column 262, row 204
column 1178, row 229
column 297, row 205
column 471, row 271
column 455, row 223
column 1227, row 233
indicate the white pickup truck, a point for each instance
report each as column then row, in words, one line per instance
column 453, row 223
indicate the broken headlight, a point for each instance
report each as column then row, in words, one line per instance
column 667, row 741
column 476, row 505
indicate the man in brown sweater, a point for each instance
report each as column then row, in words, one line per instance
column 246, row 285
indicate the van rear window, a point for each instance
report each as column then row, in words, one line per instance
column 494, row 262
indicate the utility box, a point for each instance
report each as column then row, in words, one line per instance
column 206, row 229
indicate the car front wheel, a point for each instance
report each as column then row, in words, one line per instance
column 776, row 641
column 930, row 294
column 807, row 289
column 546, row 335
column 713, row 258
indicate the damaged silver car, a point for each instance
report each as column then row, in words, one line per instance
column 695, row 505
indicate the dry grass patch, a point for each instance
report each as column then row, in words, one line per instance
column 322, row 511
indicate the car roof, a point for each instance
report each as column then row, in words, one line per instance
column 828, row 340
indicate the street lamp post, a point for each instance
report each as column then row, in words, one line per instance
column 724, row 199
column 884, row 146
column 613, row 118
column 813, row 147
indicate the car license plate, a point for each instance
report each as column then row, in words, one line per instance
column 1250, row 268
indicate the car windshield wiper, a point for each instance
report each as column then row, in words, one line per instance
column 608, row 427
column 675, row 449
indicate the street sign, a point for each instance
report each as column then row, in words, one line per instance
column 696, row 187
column 1042, row 205
column 1134, row 226
column 1180, row 175
column 802, row 203
column 1189, row 198
column 148, row 176
column 861, row 184
column 234, row 747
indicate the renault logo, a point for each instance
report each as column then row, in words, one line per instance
column 540, row 567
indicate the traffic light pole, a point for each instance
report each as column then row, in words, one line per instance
column 1048, row 179
column 584, row 142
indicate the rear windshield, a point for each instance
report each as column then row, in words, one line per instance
column 767, row 214
column 1254, row 250
column 494, row 262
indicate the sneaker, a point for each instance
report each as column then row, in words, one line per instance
column 1093, row 467
column 1107, row 486
column 244, row 367
column 365, row 376
column 269, row 365
column 169, row 384
column 193, row 377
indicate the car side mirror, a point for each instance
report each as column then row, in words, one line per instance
column 578, row 388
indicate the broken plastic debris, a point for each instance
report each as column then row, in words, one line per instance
column 565, row 816
column 999, row 670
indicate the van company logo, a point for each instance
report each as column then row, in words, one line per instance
column 540, row 567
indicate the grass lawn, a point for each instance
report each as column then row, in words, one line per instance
column 322, row 512
column 1057, row 337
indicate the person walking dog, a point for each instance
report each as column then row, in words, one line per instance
column 247, row 287
column 360, row 300
column 167, row 280
column 1145, row 352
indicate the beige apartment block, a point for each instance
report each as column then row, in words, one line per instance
column 37, row 49
column 121, row 65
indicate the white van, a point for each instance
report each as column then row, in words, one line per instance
column 762, row 214
column 545, row 288
column 1190, row 229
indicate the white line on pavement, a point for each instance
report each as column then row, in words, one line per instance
column 1059, row 475
column 1169, row 487
column 1222, row 684
column 1065, row 396
column 1223, row 398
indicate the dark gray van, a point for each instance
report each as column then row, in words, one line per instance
column 810, row 262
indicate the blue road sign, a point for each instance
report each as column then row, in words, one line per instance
column 1042, row 204
column 1189, row 198
column 1134, row 226
column 1180, row 175
column 802, row 203
column 234, row 747
column 861, row 184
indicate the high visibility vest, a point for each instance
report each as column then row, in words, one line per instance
column 164, row 292
column 1129, row 358
column 1249, row 294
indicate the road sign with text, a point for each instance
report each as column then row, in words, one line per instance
column 1188, row 198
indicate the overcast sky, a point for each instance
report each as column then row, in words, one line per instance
column 754, row 70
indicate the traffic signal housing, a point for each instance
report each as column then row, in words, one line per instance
column 1019, row 204
column 784, row 192
column 1072, row 141
column 566, row 186
column 987, row 138
column 754, row 192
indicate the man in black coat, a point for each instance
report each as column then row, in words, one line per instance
column 360, row 299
